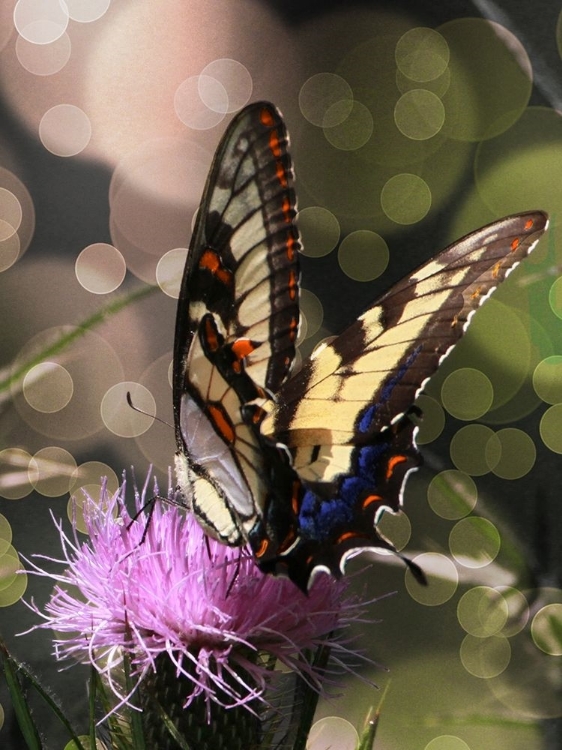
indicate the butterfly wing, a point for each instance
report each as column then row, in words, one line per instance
column 236, row 322
column 303, row 477
column 345, row 416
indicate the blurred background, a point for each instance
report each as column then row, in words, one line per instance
column 411, row 124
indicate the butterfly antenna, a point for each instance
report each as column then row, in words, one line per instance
column 150, row 504
column 142, row 411
column 208, row 546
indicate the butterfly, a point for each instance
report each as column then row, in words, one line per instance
column 301, row 466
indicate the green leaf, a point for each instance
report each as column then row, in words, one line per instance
column 367, row 739
column 169, row 724
column 137, row 729
column 19, row 701
column 117, row 725
column 66, row 339
column 92, row 706
column 125, row 725
column 12, row 670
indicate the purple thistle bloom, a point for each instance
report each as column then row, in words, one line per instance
column 177, row 593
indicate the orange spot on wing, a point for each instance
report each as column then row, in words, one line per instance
column 222, row 423
column 393, row 463
column 370, row 499
column 476, row 293
column 528, row 224
column 496, row 270
column 255, row 412
column 274, row 144
column 211, row 335
column 266, row 118
column 286, row 207
column 291, row 242
column 210, row 261
column 295, row 497
column 280, row 172
column 293, row 284
column 515, row 244
column 346, row 536
column 286, row 543
column 242, row 348
column 262, row 549
column 294, row 327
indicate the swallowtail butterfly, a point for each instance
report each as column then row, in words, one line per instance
column 301, row 466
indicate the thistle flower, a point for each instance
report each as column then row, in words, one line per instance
column 196, row 622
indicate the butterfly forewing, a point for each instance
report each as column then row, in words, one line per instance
column 383, row 358
column 236, row 323
column 242, row 262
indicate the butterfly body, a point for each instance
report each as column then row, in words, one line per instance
column 301, row 467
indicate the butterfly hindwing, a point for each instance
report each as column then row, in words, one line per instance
column 346, row 416
column 237, row 321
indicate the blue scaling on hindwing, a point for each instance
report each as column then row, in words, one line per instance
column 366, row 419
column 318, row 517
